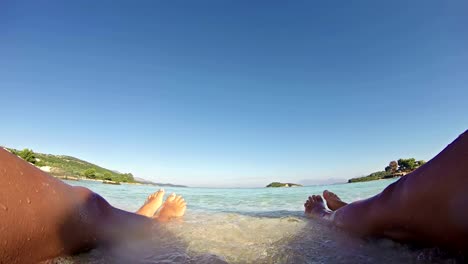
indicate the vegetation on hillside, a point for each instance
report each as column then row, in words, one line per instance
column 26, row 154
column 69, row 166
column 404, row 165
column 394, row 169
column 372, row 177
column 279, row 184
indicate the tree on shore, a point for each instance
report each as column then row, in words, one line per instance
column 407, row 165
column 392, row 167
column 127, row 177
column 28, row 155
column 107, row 176
column 90, row 173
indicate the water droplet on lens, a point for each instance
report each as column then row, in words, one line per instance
column 29, row 201
column 4, row 207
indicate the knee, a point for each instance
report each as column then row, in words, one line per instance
column 91, row 201
column 386, row 197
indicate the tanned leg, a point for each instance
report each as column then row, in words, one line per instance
column 428, row 206
column 41, row 217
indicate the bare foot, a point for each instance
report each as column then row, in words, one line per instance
column 173, row 207
column 315, row 207
column 333, row 201
column 152, row 204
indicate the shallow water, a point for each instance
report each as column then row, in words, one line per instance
column 258, row 225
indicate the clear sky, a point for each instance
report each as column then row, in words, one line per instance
column 234, row 93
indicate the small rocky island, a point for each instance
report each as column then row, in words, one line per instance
column 280, row 184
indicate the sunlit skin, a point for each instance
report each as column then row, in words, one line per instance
column 173, row 207
column 41, row 217
column 152, row 204
column 428, row 206
column 333, row 201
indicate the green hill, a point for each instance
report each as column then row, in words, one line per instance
column 372, row 177
column 60, row 165
column 394, row 169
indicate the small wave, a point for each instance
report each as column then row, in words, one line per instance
column 244, row 238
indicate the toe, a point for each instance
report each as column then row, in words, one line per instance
column 179, row 199
column 160, row 192
column 319, row 198
column 171, row 197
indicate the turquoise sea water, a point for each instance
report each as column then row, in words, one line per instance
column 257, row 225
column 275, row 201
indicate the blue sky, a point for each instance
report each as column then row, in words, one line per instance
column 234, row 93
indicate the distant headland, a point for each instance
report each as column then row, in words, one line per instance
column 279, row 184
column 394, row 169
column 71, row 168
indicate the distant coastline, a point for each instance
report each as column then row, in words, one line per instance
column 74, row 169
column 394, row 169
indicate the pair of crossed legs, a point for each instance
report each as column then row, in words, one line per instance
column 42, row 217
column 428, row 206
